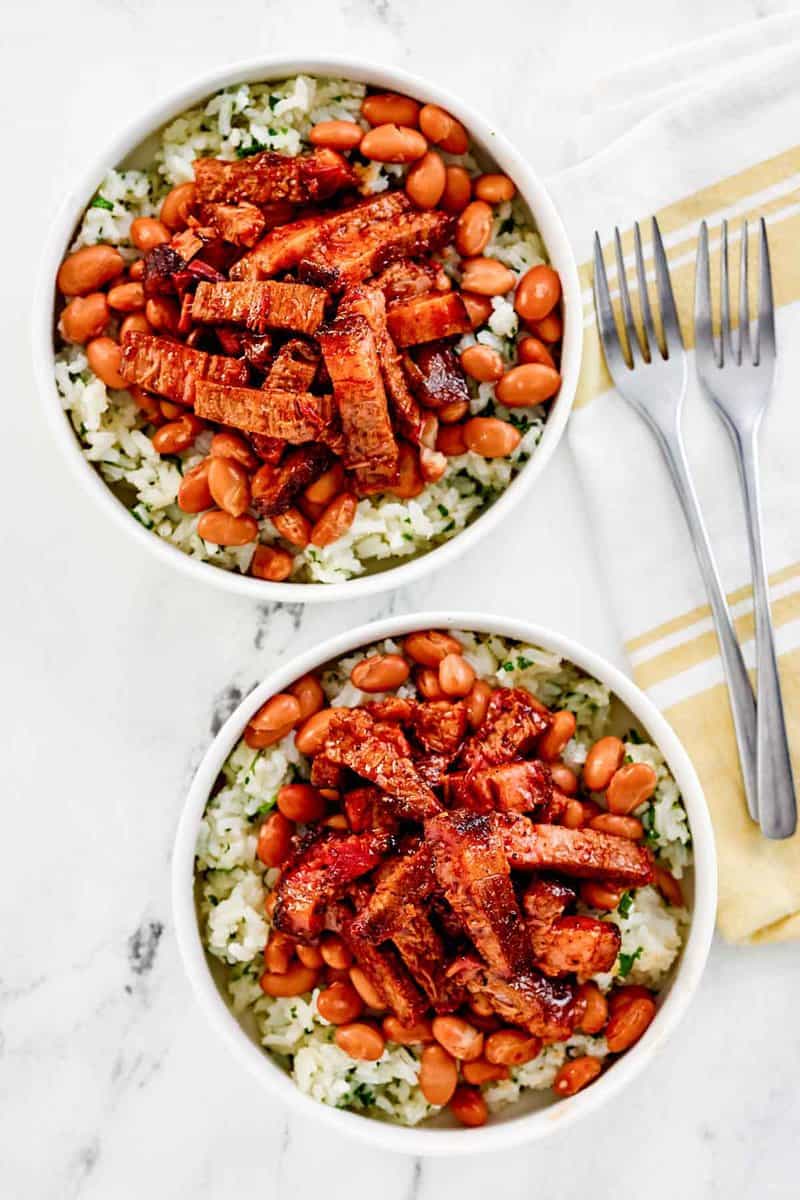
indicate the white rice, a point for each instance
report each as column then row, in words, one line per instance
column 111, row 427
column 232, row 886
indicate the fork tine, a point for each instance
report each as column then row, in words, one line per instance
column 726, row 345
column 649, row 332
column 703, row 328
column 666, row 300
column 615, row 360
column 627, row 312
column 765, row 330
column 745, row 353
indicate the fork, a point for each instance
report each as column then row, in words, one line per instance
column 654, row 384
column 738, row 378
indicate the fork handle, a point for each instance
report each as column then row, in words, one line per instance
column 777, row 806
column 740, row 691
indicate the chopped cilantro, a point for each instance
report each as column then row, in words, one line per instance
column 445, row 512
column 409, row 537
column 101, row 202
column 626, row 962
column 523, row 663
column 364, row 1095
column 253, row 148
column 265, row 807
column 634, row 737
column 507, row 666
column 450, row 525
column 648, row 819
column 625, row 904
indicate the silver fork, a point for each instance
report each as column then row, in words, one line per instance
column 654, row 384
column 739, row 378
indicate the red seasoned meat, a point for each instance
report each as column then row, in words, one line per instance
column 260, row 305
column 435, row 374
column 473, row 872
column 294, row 367
column 432, row 768
column 320, row 874
column 399, row 886
column 545, row 1007
column 563, row 945
column 407, row 278
column 351, row 357
column 354, row 740
column 337, row 261
column 369, row 303
column 239, row 224
column 583, row 853
column 382, row 967
column 512, row 787
column 391, row 708
column 439, row 726
column 173, row 370
column 274, row 488
column 422, row 950
column 263, row 178
column 512, row 723
column 296, row 417
column 285, row 245
column 428, row 318
column 367, row 808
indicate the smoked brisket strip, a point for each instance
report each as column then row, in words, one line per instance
column 260, row 305
column 173, row 370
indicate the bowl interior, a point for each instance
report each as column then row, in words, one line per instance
column 536, row 1112
column 136, row 149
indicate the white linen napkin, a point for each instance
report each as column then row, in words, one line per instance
column 707, row 132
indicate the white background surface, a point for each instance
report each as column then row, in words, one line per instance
column 116, row 672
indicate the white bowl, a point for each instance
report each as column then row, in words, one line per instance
column 514, row 1125
column 487, row 139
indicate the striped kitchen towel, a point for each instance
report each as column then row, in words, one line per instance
column 714, row 135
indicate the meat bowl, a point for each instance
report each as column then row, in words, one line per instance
column 447, row 881
column 308, row 329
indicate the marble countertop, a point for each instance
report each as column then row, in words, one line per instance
column 117, row 672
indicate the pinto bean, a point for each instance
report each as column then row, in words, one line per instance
column 456, row 676
column 621, row 997
column 426, row 179
column 135, row 323
column 409, row 474
column 528, row 384
column 490, row 437
column 87, row 269
column 427, row 681
column 85, row 317
column 335, row 520
column 163, row 314
column 126, row 297
column 312, row 733
column 574, row 816
column 532, row 350
column 336, row 135
column 604, row 896
column 393, row 144
column 477, row 702
column 593, row 1008
column 457, row 190
column 603, row 759
column 494, row 189
column 340, row 1004
column 229, row 485
column 105, row 356
column 469, row 1107
column 309, row 956
column 274, row 840
column 538, row 293
column 479, row 308
column 360, row 1041
column 459, row 1038
column 177, row 205
column 334, row 952
column 473, row 230
column 482, row 363
column 279, row 952
column 294, row 982
column 576, row 1074
column 384, row 108
column 429, row 648
column 627, row 1024
column 407, row 1035
column 554, row 740
column 280, row 713
column 147, row 233
column 309, row 694
column 194, row 494
column 668, row 885
column 450, row 441
column 630, row 786
column 443, row 129
column 230, row 445
column 301, row 802
column 270, row 563
column 380, row 673
column 486, row 276
column 178, row 436
column 293, row 527
column 511, row 1047
column 564, row 778
column 548, row 329
column 366, row 989
column 432, row 464
column 626, row 827
column 480, row 1071
column 438, row 1075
